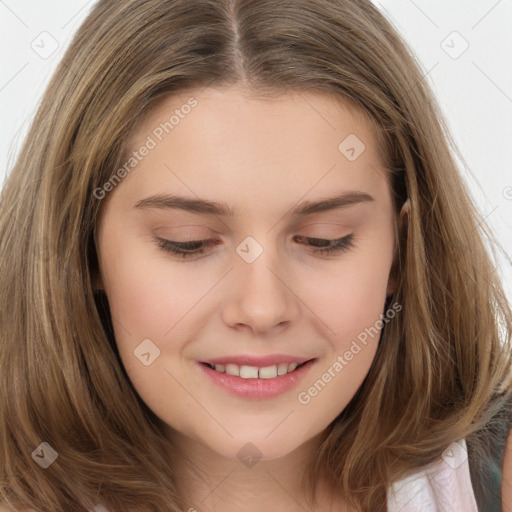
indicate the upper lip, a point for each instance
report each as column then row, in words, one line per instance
column 258, row 361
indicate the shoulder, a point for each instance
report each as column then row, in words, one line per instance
column 506, row 480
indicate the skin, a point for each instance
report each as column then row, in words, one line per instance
column 260, row 157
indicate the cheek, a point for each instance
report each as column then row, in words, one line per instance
column 349, row 298
column 350, row 305
column 149, row 296
column 330, row 389
column 150, row 299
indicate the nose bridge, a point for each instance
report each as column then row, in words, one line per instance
column 258, row 296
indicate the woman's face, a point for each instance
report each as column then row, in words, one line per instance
column 265, row 182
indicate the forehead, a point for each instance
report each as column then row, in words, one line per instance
column 234, row 139
column 236, row 106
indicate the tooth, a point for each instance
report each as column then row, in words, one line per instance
column 282, row 369
column 253, row 372
column 233, row 369
column 269, row 372
column 292, row 367
column 248, row 372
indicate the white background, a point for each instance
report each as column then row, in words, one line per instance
column 474, row 89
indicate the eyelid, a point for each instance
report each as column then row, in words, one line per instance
column 179, row 248
column 187, row 231
column 339, row 224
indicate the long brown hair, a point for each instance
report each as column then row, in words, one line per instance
column 442, row 368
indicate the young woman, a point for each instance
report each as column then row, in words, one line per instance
column 240, row 269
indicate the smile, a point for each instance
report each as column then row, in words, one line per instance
column 253, row 372
column 253, row 382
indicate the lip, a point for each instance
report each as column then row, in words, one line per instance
column 257, row 389
column 259, row 361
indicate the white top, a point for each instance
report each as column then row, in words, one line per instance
column 442, row 486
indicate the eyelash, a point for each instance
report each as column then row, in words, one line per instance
column 196, row 247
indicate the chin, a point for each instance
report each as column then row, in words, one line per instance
column 258, row 447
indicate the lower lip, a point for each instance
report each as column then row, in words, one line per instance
column 257, row 389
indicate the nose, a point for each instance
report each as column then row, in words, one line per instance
column 261, row 296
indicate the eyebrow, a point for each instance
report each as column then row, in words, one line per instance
column 165, row 202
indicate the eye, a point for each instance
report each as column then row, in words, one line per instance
column 325, row 247
column 196, row 247
column 184, row 249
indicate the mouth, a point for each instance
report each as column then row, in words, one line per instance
column 256, row 382
column 257, row 372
